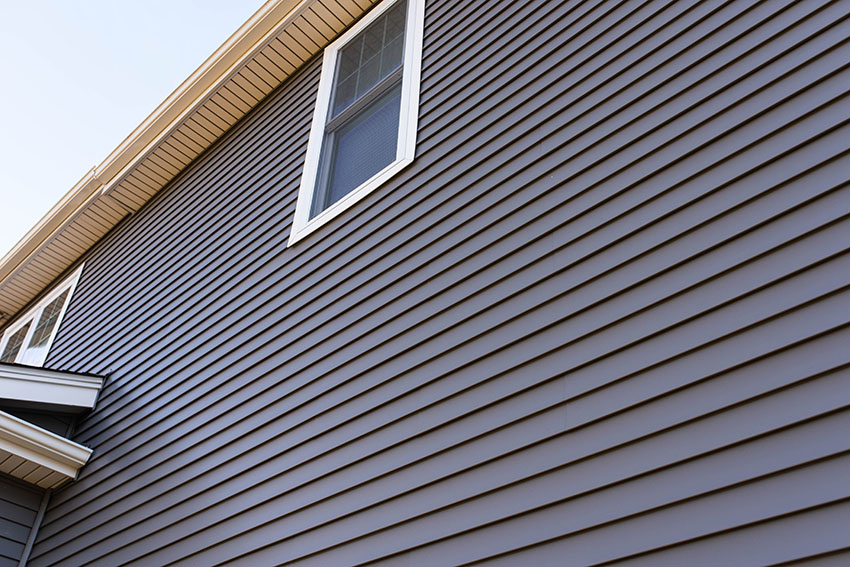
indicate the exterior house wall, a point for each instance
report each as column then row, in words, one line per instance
column 19, row 505
column 601, row 318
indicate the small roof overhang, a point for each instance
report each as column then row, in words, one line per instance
column 37, row 456
column 27, row 451
column 42, row 389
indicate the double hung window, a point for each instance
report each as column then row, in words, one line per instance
column 28, row 339
column 364, row 125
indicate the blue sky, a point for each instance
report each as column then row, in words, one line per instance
column 79, row 76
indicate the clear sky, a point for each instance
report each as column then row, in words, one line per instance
column 79, row 75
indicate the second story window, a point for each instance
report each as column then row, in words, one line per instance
column 364, row 125
column 27, row 340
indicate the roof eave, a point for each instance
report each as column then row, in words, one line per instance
column 109, row 191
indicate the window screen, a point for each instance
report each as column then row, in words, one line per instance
column 362, row 147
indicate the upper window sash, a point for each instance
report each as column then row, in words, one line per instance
column 369, row 59
column 339, row 107
column 29, row 338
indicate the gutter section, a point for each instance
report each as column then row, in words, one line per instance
column 196, row 87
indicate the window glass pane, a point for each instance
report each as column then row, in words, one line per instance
column 370, row 57
column 395, row 21
column 370, row 74
column 37, row 347
column 363, row 147
column 393, row 40
column 346, row 90
column 10, row 351
column 373, row 40
column 47, row 321
column 392, row 56
column 349, row 60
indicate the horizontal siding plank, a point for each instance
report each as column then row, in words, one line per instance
column 744, row 504
column 819, row 528
column 830, row 559
column 15, row 512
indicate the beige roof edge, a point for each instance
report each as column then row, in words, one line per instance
column 184, row 97
column 196, row 85
column 109, row 191
column 211, row 72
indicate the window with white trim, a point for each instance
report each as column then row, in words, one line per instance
column 364, row 125
column 28, row 340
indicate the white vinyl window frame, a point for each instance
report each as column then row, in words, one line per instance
column 302, row 224
column 36, row 356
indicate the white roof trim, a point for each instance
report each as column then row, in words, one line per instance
column 36, row 455
column 32, row 384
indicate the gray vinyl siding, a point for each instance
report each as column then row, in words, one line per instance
column 18, row 510
column 603, row 316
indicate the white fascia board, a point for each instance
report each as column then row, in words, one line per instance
column 32, row 384
column 41, row 447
